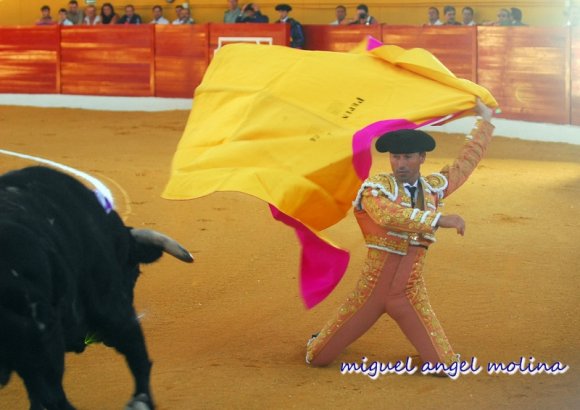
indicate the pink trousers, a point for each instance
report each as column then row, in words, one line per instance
column 391, row 284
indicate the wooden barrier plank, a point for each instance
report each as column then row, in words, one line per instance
column 454, row 46
column 575, row 75
column 338, row 38
column 256, row 33
column 29, row 60
column 181, row 58
column 527, row 70
column 108, row 60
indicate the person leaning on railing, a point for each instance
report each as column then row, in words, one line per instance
column 363, row 17
column 130, row 16
column 233, row 12
column 75, row 15
column 45, row 18
column 449, row 12
column 62, row 18
column 251, row 14
column 158, row 15
column 184, row 16
column 108, row 15
column 467, row 14
column 91, row 16
column 341, row 18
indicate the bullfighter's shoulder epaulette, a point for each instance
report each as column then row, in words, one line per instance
column 436, row 183
column 384, row 184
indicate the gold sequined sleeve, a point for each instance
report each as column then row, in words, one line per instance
column 396, row 217
column 470, row 155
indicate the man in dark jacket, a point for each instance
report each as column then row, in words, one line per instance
column 296, row 32
column 130, row 17
column 251, row 14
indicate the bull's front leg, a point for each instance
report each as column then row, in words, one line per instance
column 129, row 341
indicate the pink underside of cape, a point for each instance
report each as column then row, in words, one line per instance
column 322, row 265
column 373, row 43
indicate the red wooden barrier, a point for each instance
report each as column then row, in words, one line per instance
column 534, row 72
column 575, row 73
column 456, row 47
column 29, row 59
column 528, row 71
column 108, row 60
column 181, row 58
column 338, row 38
column 256, row 33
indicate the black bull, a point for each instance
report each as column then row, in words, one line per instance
column 67, row 270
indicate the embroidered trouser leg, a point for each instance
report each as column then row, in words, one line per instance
column 393, row 284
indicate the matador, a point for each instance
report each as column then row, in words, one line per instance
column 398, row 215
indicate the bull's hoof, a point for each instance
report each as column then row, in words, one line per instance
column 140, row 402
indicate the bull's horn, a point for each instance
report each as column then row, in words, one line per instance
column 169, row 245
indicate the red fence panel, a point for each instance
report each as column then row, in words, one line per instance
column 454, row 46
column 338, row 38
column 29, row 59
column 575, row 74
column 528, row 71
column 108, row 60
column 256, row 33
column 181, row 58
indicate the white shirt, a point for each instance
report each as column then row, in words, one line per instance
column 160, row 20
column 96, row 21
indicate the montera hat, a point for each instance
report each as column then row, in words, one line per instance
column 405, row 142
column 283, row 7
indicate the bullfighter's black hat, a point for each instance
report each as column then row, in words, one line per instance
column 284, row 7
column 405, row 142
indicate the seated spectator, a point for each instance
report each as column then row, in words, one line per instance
column 130, row 16
column 62, row 18
column 251, row 14
column 433, row 16
column 467, row 14
column 503, row 19
column 45, row 18
column 449, row 13
column 158, row 16
column 91, row 17
column 233, row 12
column 108, row 15
column 296, row 31
column 341, row 18
column 178, row 15
column 184, row 16
column 75, row 14
column 363, row 17
column 516, row 17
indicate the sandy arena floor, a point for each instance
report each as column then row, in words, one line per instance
column 229, row 331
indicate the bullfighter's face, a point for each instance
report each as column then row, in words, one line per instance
column 407, row 167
